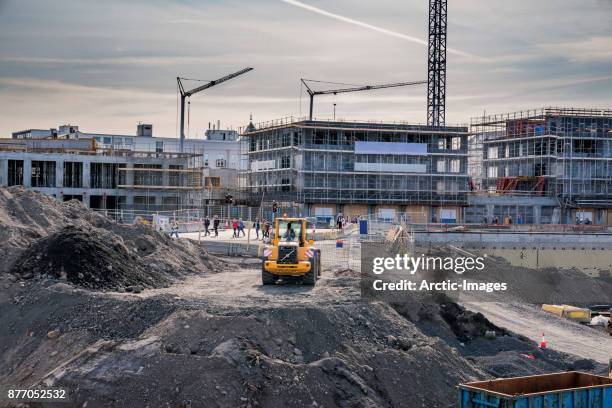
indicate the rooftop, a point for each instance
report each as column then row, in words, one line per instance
column 349, row 124
column 540, row 113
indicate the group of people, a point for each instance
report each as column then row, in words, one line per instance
column 508, row 220
column 215, row 224
column 264, row 227
column 238, row 226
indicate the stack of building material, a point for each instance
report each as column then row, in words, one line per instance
column 569, row 312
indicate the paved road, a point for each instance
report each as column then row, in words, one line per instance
column 561, row 334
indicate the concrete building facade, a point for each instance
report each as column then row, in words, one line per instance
column 107, row 171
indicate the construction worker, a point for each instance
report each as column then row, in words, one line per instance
column 290, row 233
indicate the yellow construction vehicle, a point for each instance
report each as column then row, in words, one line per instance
column 291, row 253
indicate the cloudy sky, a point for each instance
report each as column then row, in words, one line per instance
column 105, row 65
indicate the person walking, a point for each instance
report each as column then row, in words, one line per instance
column 257, row 227
column 174, row 230
column 216, row 225
column 235, row 227
column 206, row 226
column 241, row 228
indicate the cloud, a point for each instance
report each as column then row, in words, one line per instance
column 375, row 28
column 596, row 48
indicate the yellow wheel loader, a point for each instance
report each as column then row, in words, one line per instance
column 291, row 253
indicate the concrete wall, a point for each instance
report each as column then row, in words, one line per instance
column 562, row 240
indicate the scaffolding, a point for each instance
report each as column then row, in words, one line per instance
column 317, row 162
column 564, row 153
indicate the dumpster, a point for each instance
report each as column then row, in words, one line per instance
column 560, row 390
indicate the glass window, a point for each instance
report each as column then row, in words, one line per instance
column 289, row 231
column 455, row 166
column 456, row 143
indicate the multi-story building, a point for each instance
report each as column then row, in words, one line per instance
column 360, row 168
column 108, row 171
column 552, row 165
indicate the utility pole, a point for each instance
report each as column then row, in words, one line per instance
column 186, row 94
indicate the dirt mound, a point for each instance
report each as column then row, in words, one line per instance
column 41, row 236
column 89, row 260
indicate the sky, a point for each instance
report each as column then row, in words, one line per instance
column 107, row 65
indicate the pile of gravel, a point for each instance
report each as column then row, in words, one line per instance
column 40, row 236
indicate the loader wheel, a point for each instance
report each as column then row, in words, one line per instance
column 267, row 278
column 310, row 278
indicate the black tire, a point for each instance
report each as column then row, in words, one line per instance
column 310, row 278
column 267, row 278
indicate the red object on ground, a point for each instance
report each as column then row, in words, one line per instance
column 543, row 343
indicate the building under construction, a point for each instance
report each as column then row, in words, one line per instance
column 563, row 154
column 124, row 173
column 359, row 168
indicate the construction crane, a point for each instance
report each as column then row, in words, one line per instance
column 355, row 88
column 186, row 94
column 436, row 63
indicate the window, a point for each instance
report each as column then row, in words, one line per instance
column 212, row 182
column 220, row 162
column 442, row 144
column 43, row 174
column 441, row 166
column 440, row 187
column 493, row 153
column 455, row 166
column 456, row 143
column 492, row 172
column 73, row 174
column 15, row 172
column 289, row 231
column 285, row 162
column 159, row 146
column 205, row 159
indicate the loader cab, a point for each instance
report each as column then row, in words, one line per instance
column 290, row 231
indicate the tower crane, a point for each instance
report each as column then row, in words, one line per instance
column 312, row 93
column 186, row 94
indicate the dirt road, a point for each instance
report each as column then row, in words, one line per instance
column 561, row 334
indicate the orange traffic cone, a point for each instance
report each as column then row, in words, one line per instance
column 543, row 343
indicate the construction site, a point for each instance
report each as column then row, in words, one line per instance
column 287, row 263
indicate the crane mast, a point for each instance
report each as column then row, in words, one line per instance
column 436, row 63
